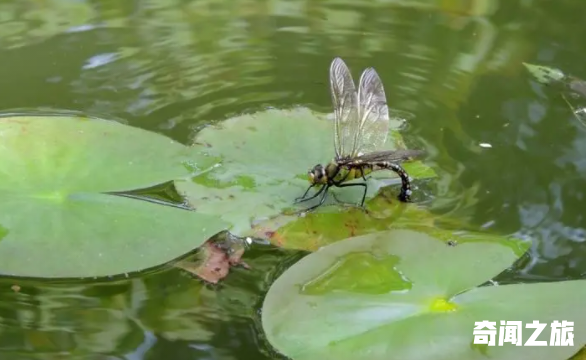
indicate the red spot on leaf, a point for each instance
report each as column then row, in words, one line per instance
column 351, row 226
column 276, row 238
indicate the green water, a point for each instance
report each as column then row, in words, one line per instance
column 174, row 66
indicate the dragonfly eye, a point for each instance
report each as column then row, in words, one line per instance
column 316, row 174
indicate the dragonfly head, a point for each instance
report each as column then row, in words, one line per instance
column 317, row 175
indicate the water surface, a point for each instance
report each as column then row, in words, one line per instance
column 174, row 66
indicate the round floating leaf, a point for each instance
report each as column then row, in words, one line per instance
column 54, row 220
column 263, row 162
column 404, row 295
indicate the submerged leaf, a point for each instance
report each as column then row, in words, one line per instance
column 544, row 74
column 55, row 220
column 404, row 295
column 566, row 84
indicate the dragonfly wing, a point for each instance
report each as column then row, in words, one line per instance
column 394, row 156
column 373, row 114
column 344, row 100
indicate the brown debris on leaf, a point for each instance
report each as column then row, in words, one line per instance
column 214, row 260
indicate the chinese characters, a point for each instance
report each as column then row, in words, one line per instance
column 485, row 332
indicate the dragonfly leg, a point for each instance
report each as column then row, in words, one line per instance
column 305, row 194
column 366, row 178
column 321, row 201
column 302, row 199
column 357, row 184
column 405, row 194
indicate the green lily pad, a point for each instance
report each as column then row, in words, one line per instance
column 263, row 161
column 56, row 221
column 404, row 295
column 316, row 230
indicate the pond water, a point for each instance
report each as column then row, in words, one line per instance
column 173, row 66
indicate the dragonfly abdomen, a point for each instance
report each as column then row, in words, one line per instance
column 360, row 169
column 405, row 182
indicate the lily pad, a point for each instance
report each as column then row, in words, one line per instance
column 57, row 221
column 314, row 231
column 263, row 161
column 404, row 295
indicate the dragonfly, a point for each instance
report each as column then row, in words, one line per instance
column 361, row 127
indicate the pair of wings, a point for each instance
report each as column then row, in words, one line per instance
column 361, row 117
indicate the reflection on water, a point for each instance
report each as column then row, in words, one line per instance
column 168, row 314
column 170, row 64
column 173, row 66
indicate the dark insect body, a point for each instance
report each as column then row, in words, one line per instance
column 361, row 126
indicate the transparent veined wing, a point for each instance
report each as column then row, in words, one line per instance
column 395, row 156
column 345, row 102
column 373, row 114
